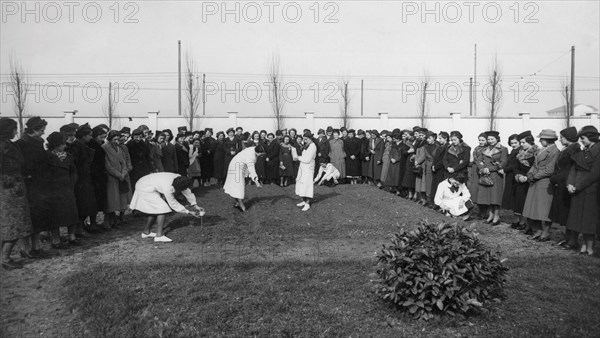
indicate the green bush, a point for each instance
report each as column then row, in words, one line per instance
column 438, row 268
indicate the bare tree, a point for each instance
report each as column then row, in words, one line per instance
column 422, row 104
column 276, row 92
column 110, row 106
column 566, row 99
column 192, row 90
column 495, row 91
column 18, row 82
column 345, row 102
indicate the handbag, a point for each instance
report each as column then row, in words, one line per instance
column 123, row 186
column 418, row 170
column 486, row 181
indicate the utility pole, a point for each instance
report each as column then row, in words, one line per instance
column 203, row 94
column 110, row 107
column 572, row 110
column 471, row 96
column 475, row 84
column 361, row 97
column 567, row 107
column 179, row 76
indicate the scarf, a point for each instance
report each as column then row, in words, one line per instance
column 524, row 155
column 60, row 154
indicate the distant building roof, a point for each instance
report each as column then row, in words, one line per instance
column 580, row 110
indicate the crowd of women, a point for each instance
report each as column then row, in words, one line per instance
column 83, row 171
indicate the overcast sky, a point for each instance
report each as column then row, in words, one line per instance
column 70, row 49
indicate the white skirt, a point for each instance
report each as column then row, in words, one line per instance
column 149, row 203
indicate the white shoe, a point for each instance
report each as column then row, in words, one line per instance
column 150, row 235
column 163, row 239
column 301, row 204
column 306, row 207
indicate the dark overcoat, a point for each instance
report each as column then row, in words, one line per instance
column 352, row 147
column 35, row 161
column 562, row 199
column 61, row 176
column 15, row 217
column 584, row 212
column 83, row 156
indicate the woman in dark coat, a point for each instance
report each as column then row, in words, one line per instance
column 562, row 199
column 539, row 196
column 84, row 188
column 376, row 150
column 365, row 158
column 35, row 158
column 509, row 176
column 494, row 158
column 286, row 162
column 141, row 160
column 525, row 158
column 393, row 170
column 437, row 167
column 322, row 149
column 97, row 170
column 409, row 179
column 14, row 208
column 473, row 172
column 118, row 186
column 352, row 147
column 272, row 159
column 169, row 158
column 61, row 175
column 232, row 145
column 431, row 150
column 583, row 184
column 182, row 153
column 207, row 158
column 219, row 159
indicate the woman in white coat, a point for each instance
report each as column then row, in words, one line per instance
column 240, row 167
column 452, row 196
column 304, row 180
column 147, row 199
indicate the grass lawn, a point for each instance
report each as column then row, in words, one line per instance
column 276, row 271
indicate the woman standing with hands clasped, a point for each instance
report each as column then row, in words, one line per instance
column 582, row 184
column 539, row 196
column 493, row 158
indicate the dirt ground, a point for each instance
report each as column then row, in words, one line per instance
column 345, row 222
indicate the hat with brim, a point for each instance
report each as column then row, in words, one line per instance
column 548, row 134
column 136, row 132
column 351, row 131
column 329, row 129
column 321, row 132
column 385, row 132
column 230, row 130
column 335, row 131
column 524, row 135
column 588, row 130
column 125, row 130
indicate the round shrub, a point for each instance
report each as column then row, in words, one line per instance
column 438, row 268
